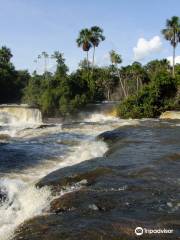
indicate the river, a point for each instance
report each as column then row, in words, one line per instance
column 147, row 152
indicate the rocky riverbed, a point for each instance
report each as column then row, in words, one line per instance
column 134, row 184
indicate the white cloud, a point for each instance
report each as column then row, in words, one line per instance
column 177, row 60
column 145, row 47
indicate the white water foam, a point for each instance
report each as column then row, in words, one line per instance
column 85, row 151
column 102, row 118
column 24, row 200
column 17, row 115
column 99, row 117
column 14, row 118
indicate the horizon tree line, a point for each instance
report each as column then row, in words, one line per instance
column 91, row 38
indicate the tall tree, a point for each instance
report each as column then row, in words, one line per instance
column 84, row 41
column 96, row 37
column 172, row 34
column 5, row 55
column 44, row 56
column 84, row 64
column 138, row 74
column 8, row 76
column 115, row 60
column 154, row 67
column 61, row 69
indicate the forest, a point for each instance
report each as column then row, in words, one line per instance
column 142, row 90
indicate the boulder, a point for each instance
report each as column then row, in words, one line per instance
column 170, row 115
column 4, row 137
column 112, row 136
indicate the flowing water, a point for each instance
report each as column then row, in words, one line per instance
column 30, row 150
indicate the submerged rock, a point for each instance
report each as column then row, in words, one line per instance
column 170, row 115
column 112, row 136
column 46, row 126
column 4, row 137
column 3, row 196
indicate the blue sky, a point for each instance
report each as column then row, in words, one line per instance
column 29, row 27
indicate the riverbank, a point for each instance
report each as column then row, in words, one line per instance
column 135, row 184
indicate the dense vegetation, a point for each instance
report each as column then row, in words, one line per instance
column 162, row 91
column 159, row 95
column 144, row 91
column 12, row 82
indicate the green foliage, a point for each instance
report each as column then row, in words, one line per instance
column 155, row 67
column 12, row 82
column 96, row 36
column 115, row 57
column 59, row 93
column 150, row 89
column 172, row 34
column 144, row 91
column 151, row 100
column 33, row 90
column 84, row 39
column 172, row 30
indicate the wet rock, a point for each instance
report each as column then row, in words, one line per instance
column 3, row 196
column 45, row 126
column 75, row 226
column 173, row 157
column 4, row 137
column 67, row 142
column 112, row 136
column 86, row 199
column 74, row 175
column 170, row 115
column 131, row 186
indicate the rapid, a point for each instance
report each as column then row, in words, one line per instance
column 30, row 150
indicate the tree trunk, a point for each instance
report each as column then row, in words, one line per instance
column 125, row 95
column 108, row 94
column 141, row 84
column 93, row 59
column 137, row 84
column 173, row 70
column 87, row 66
column 45, row 65
column 87, row 60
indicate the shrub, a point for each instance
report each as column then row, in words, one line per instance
column 154, row 98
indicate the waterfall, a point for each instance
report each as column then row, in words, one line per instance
column 19, row 115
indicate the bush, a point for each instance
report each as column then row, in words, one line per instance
column 154, row 98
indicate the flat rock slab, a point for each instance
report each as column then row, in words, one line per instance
column 170, row 115
column 133, row 184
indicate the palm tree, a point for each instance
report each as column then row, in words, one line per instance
column 45, row 56
column 115, row 60
column 138, row 73
column 84, row 41
column 5, row 54
column 96, row 37
column 61, row 67
column 172, row 34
